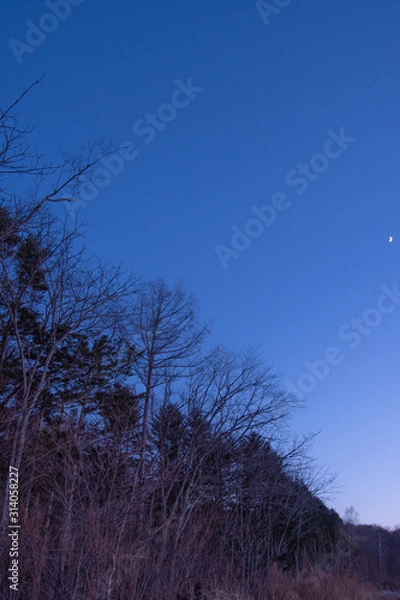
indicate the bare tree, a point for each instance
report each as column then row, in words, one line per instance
column 48, row 294
column 49, row 291
column 225, row 398
column 168, row 337
column 27, row 181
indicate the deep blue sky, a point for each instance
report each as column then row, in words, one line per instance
column 270, row 95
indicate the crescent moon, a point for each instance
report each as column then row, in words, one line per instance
column 390, row 238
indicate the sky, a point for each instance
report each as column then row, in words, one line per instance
column 257, row 160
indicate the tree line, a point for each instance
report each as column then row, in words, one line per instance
column 152, row 463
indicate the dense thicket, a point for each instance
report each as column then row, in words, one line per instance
column 374, row 554
column 149, row 464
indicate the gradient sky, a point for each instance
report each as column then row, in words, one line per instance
column 272, row 88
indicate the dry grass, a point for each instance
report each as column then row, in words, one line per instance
column 307, row 585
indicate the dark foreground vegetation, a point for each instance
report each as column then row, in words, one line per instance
column 151, row 465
